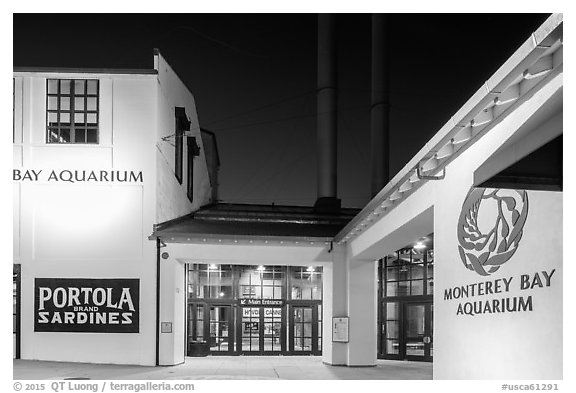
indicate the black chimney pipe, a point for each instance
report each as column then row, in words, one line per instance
column 380, row 105
column 326, row 95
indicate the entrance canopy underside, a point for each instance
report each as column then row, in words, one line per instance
column 236, row 221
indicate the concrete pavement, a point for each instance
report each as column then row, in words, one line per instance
column 226, row 368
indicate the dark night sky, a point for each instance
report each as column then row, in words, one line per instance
column 254, row 75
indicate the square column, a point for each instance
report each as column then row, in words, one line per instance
column 334, row 304
column 172, row 340
column 362, row 310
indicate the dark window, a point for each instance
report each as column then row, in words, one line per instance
column 181, row 124
column 190, row 175
column 16, row 274
column 72, row 110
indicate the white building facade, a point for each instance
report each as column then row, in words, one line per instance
column 94, row 169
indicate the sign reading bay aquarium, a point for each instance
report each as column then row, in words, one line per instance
column 490, row 229
column 86, row 305
column 77, row 176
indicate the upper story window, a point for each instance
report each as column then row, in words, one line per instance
column 181, row 124
column 72, row 110
column 408, row 272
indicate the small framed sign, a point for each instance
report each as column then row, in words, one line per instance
column 340, row 329
column 166, row 327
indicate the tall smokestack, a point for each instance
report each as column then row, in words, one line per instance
column 380, row 108
column 326, row 107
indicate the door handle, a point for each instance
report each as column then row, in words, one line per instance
column 426, row 340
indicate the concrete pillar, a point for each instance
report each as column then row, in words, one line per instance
column 172, row 311
column 362, row 310
column 335, row 304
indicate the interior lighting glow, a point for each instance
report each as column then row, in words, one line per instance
column 419, row 246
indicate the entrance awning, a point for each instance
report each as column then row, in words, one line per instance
column 257, row 222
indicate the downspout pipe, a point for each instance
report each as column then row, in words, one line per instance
column 380, row 104
column 157, row 347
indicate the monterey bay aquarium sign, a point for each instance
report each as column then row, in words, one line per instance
column 504, row 214
column 86, row 305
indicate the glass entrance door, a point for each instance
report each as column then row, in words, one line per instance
column 305, row 330
column 220, row 322
column 417, row 331
column 262, row 330
column 272, row 334
column 250, row 328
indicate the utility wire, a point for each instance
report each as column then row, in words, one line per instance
column 287, row 99
column 350, row 108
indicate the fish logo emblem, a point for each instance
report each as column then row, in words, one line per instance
column 484, row 253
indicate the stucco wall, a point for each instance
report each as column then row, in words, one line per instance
column 172, row 201
column 87, row 229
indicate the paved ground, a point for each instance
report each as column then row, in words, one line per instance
column 225, row 367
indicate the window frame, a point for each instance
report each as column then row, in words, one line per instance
column 72, row 126
column 190, row 169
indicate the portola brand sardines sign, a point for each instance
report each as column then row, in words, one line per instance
column 86, row 305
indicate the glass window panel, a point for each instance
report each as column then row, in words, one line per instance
column 417, row 257
column 79, row 103
column 64, row 136
column 52, row 86
column 91, row 104
column 417, row 271
column 430, row 270
column 80, row 136
column 417, row 287
column 430, row 289
column 392, row 329
column 296, row 293
column 92, row 136
column 92, row 87
column 65, row 103
column 52, row 103
column 65, row 86
column 403, row 288
column 52, row 118
column 392, row 273
column 392, row 347
column 403, row 273
column 79, row 87
column 392, row 289
column 65, row 117
column 79, row 118
column 277, row 292
column 316, row 293
column 392, row 311
column 53, row 136
column 267, row 292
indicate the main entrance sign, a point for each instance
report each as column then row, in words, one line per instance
column 481, row 252
column 86, row 305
